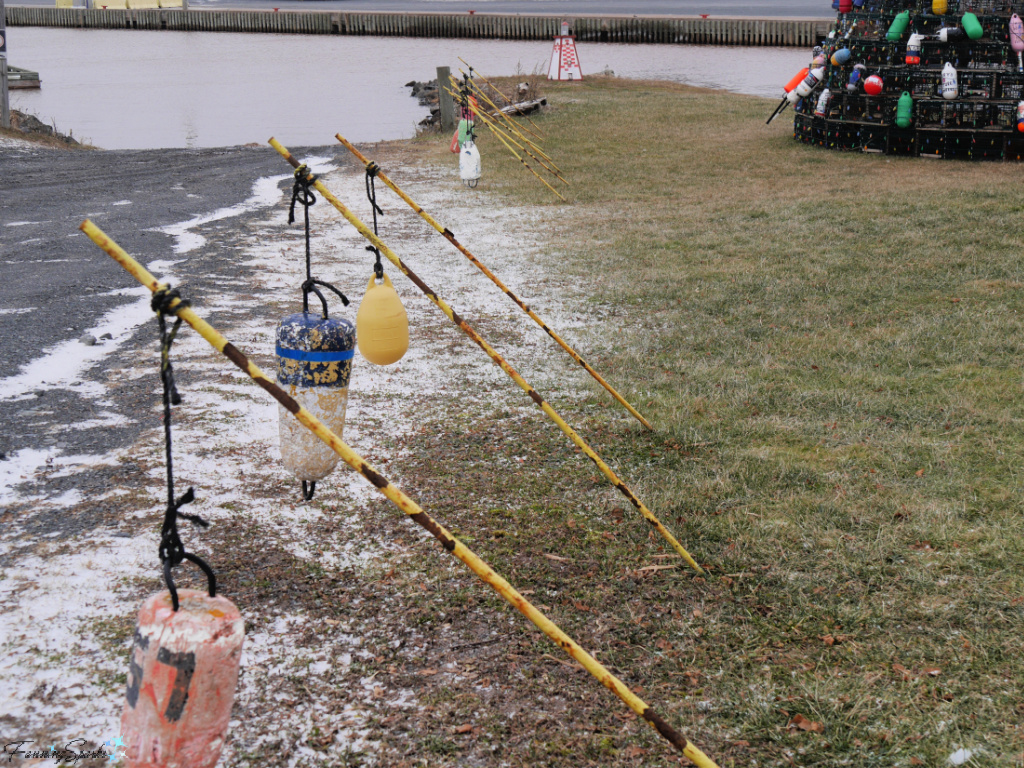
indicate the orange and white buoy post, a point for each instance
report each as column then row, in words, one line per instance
column 565, row 63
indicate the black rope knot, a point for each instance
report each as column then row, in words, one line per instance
column 302, row 191
column 172, row 551
column 372, row 169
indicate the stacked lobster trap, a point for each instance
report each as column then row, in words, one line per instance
column 933, row 78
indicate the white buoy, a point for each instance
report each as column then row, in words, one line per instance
column 469, row 164
column 950, row 87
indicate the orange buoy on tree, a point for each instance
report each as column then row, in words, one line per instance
column 181, row 681
column 382, row 327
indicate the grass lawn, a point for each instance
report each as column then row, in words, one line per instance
column 829, row 346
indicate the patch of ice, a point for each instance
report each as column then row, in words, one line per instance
column 65, row 363
column 265, row 192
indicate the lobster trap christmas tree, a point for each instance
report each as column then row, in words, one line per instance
column 935, row 78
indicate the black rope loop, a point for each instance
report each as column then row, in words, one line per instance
column 308, row 489
column 171, row 550
column 378, row 267
column 302, row 191
column 310, row 286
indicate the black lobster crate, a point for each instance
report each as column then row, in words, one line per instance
column 1005, row 116
column 902, row 142
column 988, row 145
column 1009, row 85
column 924, row 83
column 1014, row 147
column 931, row 143
column 977, row 84
column 959, row 145
column 874, row 138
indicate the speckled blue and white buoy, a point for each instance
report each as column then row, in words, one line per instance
column 314, row 365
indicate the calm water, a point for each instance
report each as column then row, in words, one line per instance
column 140, row 90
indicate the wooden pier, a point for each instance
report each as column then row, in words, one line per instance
column 803, row 33
column 22, row 78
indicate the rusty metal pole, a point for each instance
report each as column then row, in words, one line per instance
column 5, row 103
column 407, row 505
column 452, row 315
column 445, row 101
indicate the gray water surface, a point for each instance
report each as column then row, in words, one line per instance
column 124, row 89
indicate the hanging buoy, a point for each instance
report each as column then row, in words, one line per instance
column 797, row 79
column 859, row 73
column 802, row 89
column 181, row 681
column 950, row 35
column 1020, row 117
column 840, row 57
column 939, row 7
column 845, row 6
column 465, row 131
column 469, row 164
column 381, row 324
column 904, row 110
column 950, row 86
column 972, row 26
column 1017, row 39
column 314, row 364
column 898, row 27
column 914, row 48
column 454, row 146
column 873, row 85
column 823, row 101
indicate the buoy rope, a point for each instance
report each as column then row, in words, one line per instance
column 172, row 551
column 302, row 193
column 371, row 194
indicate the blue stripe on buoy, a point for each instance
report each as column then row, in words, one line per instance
column 316, row 357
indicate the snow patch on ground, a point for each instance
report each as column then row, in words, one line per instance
column 225, row 445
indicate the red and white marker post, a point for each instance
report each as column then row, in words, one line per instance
column 565, row 63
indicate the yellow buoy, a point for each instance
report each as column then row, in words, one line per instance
column 382, row 328
column 939, row 7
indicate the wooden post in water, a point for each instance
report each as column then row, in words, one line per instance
column 5, row 104
column 444, row 99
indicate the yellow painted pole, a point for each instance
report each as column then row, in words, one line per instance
column 450, row 237
column 403, row 502
column 506, row 98
column 493, row 125
column 525, row 148
column 509, row 124
column 526, row 164
column 468, row 330
column 476, row 90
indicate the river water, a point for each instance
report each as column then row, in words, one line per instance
column 122, row 89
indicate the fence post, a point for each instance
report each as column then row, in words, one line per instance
column 5, row 104
column 444, row 99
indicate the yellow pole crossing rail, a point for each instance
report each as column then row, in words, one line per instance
column 506, row 98
column 403, row 502
column 468, row 330
column 525, row 147
column 516, row 154
column 450, row 237
column 507, row 122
